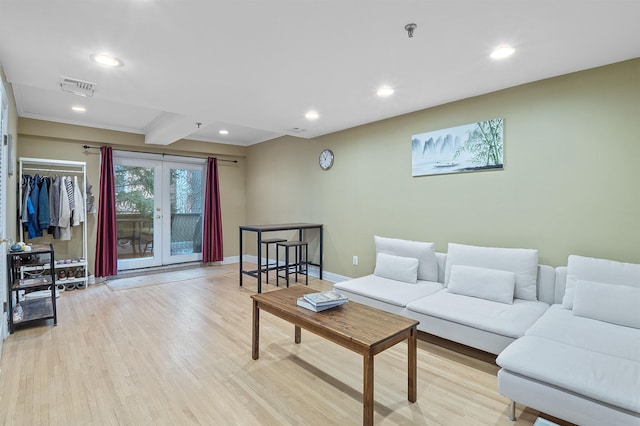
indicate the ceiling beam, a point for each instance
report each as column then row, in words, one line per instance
column 169, row 127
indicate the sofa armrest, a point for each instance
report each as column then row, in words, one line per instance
column 546, row 284
column 561, row 283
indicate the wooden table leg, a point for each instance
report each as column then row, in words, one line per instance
column 412, row 348
column 255, row 335
column 297, row 334
column 367, row 390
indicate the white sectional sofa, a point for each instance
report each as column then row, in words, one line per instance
column 568, row 338
column 581, row 360
column 426, row 292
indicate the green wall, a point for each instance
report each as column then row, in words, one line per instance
column 568, row 185
column 43, row 139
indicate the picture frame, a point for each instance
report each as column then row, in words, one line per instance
column 461, row 149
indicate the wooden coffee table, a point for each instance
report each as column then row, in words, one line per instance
column 365, row 330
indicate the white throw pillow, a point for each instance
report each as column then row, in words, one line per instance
column 598, row 270
column 617, row 304
column 490, row 284
column 397, row 268
column 522, row 262
column 424, row 252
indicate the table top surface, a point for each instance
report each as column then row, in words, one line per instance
column 352, row 321
column 280, row 226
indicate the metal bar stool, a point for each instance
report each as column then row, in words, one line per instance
column 267, row 266
column 299, row 260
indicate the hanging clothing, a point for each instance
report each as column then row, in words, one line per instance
column 64, row 217
column 32, row 225
column 54, row 207
column 26, row 188
column 69, row 186
column 43, row 205
column 78, row 211
column 33, row 229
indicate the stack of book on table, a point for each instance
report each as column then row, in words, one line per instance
column 321, row 301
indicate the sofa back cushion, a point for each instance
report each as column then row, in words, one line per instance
column 522, row 262
column 489, row 284
column 598, row 270
column 397, row 268
column 616, row 304
column 424, row 252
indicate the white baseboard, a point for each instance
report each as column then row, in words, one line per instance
column 229, row 260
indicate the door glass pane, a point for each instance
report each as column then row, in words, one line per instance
column 186, row 211
column 134, row 211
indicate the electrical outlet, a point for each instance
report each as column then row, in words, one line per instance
column 355, row 260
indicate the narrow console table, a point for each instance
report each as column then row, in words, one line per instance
column 260, row 229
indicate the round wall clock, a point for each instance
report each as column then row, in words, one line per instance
column 326, row 159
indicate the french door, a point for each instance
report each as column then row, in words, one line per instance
column 159, row 209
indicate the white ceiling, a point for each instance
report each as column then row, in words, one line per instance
column 255, row 67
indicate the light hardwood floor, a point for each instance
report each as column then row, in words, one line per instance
column 176, row 350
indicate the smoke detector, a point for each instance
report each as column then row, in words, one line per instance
column 77, row 87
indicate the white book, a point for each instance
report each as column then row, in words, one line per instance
column 305, row 304
column 325, row 298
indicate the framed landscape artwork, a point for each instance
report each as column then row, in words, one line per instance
column 467, row 148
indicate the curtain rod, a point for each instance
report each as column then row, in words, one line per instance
column 37, row 169
column 163, row 154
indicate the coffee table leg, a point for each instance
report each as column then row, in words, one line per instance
column 255, row 335
column 412, row 356
column 297, row 334
column 367, row 390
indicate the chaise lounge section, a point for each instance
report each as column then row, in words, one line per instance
column 581, row 360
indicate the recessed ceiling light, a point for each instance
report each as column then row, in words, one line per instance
column 384, row 91
column 502, row 52
column 78, row 108
column 224, row 132
column 312, row 115
column 106, row 60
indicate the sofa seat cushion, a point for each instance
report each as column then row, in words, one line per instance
column 596, row 375
column 499, row 318
column 389, row 291
column 560, row 325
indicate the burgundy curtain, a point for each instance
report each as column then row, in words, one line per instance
column 106, row 239
column 212, row 238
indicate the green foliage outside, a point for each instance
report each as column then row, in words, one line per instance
column 134, row 190
column 485, row 143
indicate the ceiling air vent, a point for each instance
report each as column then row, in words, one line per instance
column 77, row 87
